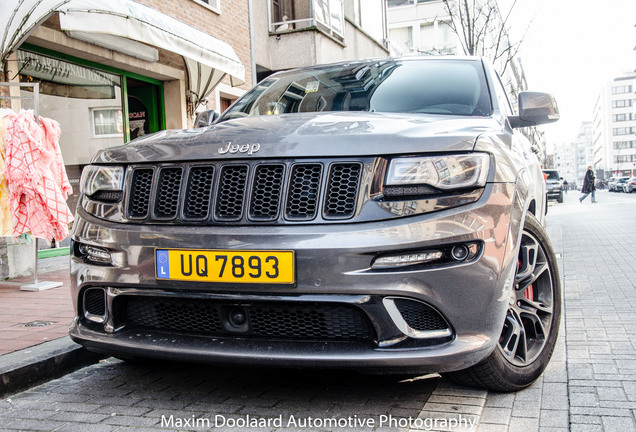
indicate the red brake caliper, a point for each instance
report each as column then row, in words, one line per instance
column 529, row 292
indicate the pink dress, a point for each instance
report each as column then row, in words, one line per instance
column 38, row 185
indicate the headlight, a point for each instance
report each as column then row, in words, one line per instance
column 440, row 173
column 103, row 179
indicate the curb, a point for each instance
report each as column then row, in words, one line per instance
column 35, row 365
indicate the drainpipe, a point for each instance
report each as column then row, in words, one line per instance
column 252, row 59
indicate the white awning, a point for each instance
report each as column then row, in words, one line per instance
column 18, row 18
column 207, row 59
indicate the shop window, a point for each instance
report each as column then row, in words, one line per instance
column 85, row 101
column 107, row 122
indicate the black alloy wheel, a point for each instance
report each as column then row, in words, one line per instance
column 531, row 325
column 529, row 318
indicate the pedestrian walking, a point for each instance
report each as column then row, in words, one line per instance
column 589, row 185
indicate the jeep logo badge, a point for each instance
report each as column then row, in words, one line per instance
column 242, row 148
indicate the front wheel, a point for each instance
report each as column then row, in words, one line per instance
column 530, row 328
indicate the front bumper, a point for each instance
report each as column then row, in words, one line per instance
column 554, row 192
column 333, row 269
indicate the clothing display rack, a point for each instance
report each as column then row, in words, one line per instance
column 36, row 285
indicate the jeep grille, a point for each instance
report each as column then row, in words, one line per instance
column 235, row 193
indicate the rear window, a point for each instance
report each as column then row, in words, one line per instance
column 447, row 87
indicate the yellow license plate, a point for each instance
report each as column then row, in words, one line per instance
column 270, row 267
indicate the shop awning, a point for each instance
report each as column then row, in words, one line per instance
column 207, row 59
column 18, row 18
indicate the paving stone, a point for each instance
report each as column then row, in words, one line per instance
column 500, row 400
column 618, row 424
column 557, row 419
column 583, row 400
column 526, row 408
column 495, row 415
column 521, row 424
column 615, row 394
column 586, row 428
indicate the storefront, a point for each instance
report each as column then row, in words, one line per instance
column 111, row 71
column 97, row 106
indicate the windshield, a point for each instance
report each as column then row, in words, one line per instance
column 552, row 175
column 448, row 87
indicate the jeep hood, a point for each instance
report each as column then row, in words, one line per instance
column 306, row 135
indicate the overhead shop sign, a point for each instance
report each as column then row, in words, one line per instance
column 101, row 84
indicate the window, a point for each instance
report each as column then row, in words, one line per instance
column 622, row 89
column 621, row 145
column 623, row 131
column 84, row 100
column 438, row 87
column 402, row 39
column 502, row 97
column 446, row 36
column 330, row 14
column 326, row 15
column 283, row 10
column 427, row 37
column 214, row 5
column 624, row 158
column 107, row 122
column 394, row 3
column 622, row 117
column 621, row 103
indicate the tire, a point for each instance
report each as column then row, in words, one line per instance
column 532, row 319
column 560, row 198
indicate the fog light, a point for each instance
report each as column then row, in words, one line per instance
column 459, row 253
column 393, row 261
column 95, row 254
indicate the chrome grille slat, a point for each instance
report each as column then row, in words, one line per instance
column 242, row 193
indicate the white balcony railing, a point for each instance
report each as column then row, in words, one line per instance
column 290, row 15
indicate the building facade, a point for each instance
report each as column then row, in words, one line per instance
column 295, row 33
column 572, row 159
column 614, row 120
column 421, row 28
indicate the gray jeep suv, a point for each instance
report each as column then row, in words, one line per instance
column 380, row 215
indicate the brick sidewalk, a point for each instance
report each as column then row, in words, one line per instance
column 29, row 318
column 590, row 384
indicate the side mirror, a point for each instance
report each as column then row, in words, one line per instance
column 205, row 118
column 534, row 109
